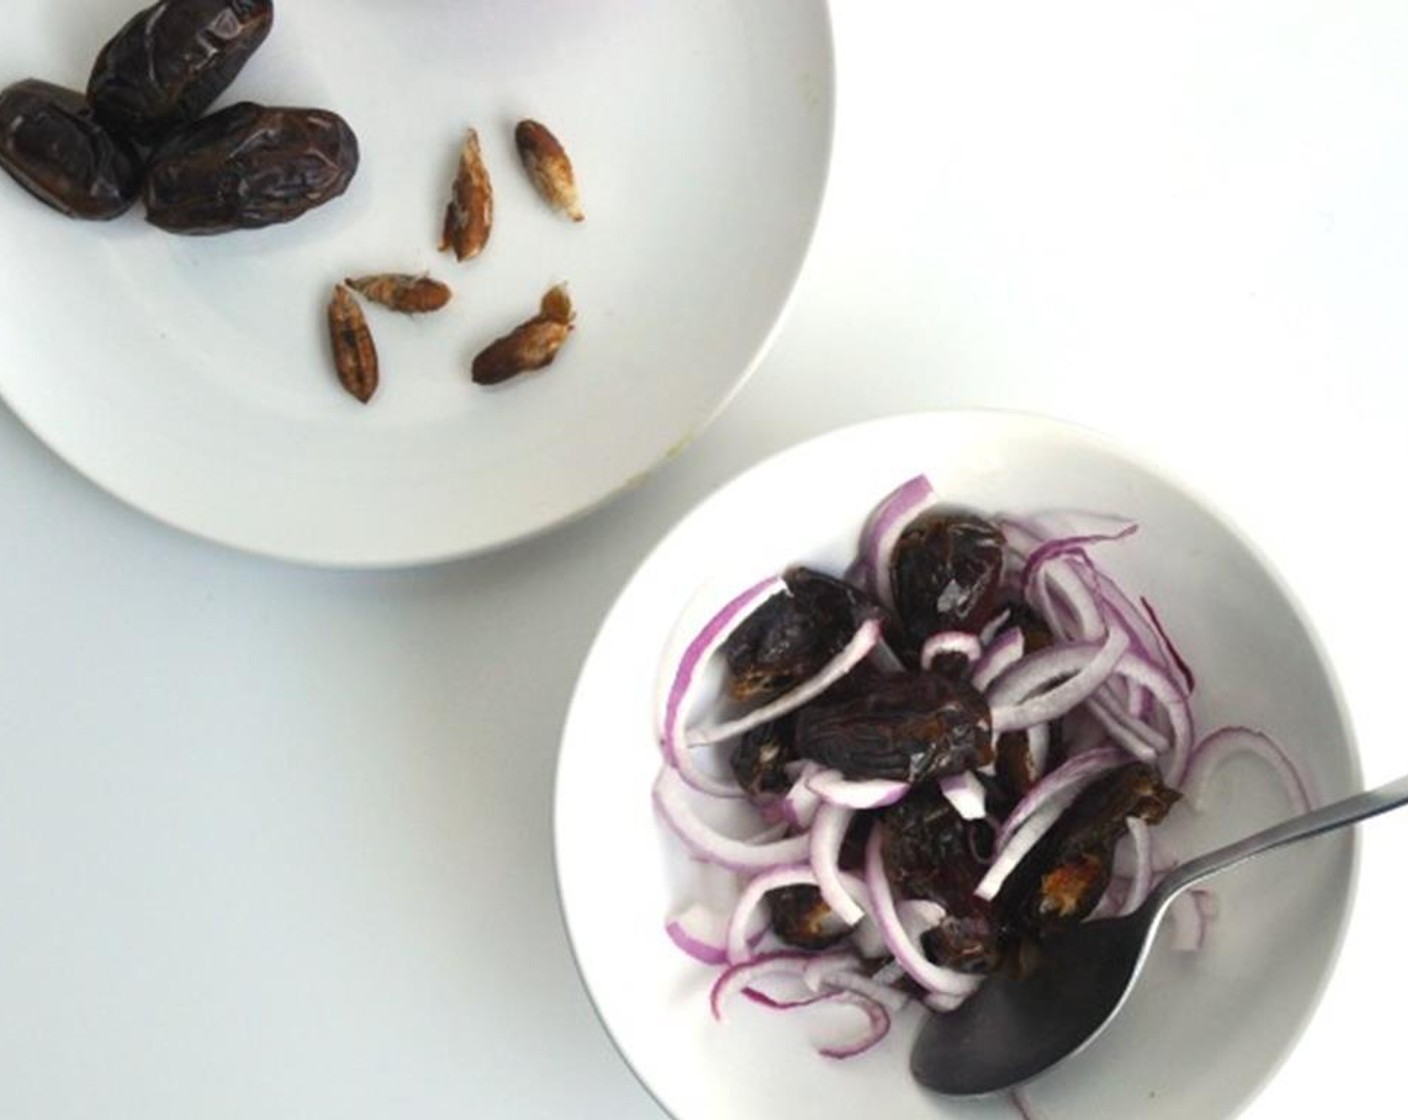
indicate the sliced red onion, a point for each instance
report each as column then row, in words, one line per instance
column 736, row 978
column 686, row 678
column 910, row 956
column 700, row 932
column 950, row 641
column 884, row 528
column 748, row 914
column 1135, row 736
column 854, row 652
column 1227, row 741
column 852, row 980
column 1022, row 841
column 1143, row 876
column 1073, row 775
column 1189, row 682
column 993, row 625
column 966, row 794
column 919, row 915
column 672, row 794
column 1174, row 706
column 1054, row 587
column 879, row 1027
column 1071, row 545
column 835, row 788
column 943, row 1001
column 1028, row 693
column 1004, row 651
column 827, row 834
column 1039, row 746
column 800, row 803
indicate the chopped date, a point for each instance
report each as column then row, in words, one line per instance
column 402, row 292
column 946, row 573
column 249, row 166
column 530, row 346
column 791, row 637
column 171, row 61
column 1063, row 877
column 52, row 144
column 906, row 727
column 353, row 350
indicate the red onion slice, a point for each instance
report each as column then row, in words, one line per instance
column 1228, row 741
column 685, row 683
column 1143, row 877
column 835, row 788
column 672, row 794
column 884, row 528
column 851, row 980
column 910, row 956
column 1022, row 841
column 1004, row 651
column 950, row 641
column 854, row 652
column 966, row 794
column 700, row 932
column 879, row 1027
column 1028, row 693
column 1072, row 775
column 736, row 978
column 827, row 834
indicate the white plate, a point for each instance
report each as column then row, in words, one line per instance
column 1202, row 1031
column 191, row 377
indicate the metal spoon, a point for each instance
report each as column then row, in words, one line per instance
column 1014, row 1029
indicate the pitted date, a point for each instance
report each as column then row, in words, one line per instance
column 171, row 61
column 249, row 166
column 52, row 145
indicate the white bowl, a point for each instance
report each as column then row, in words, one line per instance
column 1203, row 1031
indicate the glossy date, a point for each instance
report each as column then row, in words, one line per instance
column 171, row 61
column 249, row 166
column 52, row 145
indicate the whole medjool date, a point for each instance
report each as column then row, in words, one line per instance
column 171, row 61
column 52, row 145
column 791, row 637
column 905, row 727
column 946, row 573
column 249, row 166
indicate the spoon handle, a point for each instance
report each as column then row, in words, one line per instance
column 1325, row 819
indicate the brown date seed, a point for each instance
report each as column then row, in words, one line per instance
column 469, row 217
column 54, row 147
column 171, row 61
column 353, row 351
column 402, row 292
column 249, row 166
column 530, row 346
column 548, row 167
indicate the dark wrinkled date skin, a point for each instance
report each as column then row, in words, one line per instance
column 171, row 61
column 54, row 147
column 247, row 167
column 946, row 573
column 905, row 727
column 790, row 637
column 800, row 917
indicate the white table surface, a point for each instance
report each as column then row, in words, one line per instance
column 275, row 842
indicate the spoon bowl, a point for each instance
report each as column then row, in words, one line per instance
column 1017, row 1027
